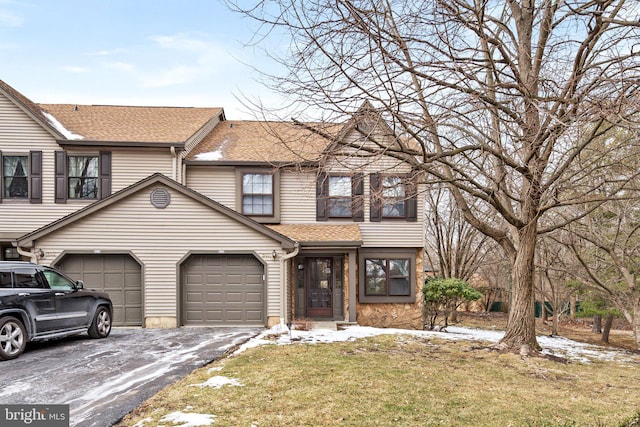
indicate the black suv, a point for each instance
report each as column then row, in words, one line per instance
column 38, row 303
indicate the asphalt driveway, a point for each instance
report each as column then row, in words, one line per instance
column 103, row 380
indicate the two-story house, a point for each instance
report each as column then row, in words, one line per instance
column 187, row 218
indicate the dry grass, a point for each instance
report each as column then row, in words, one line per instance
column 577, row 330
column 401, row 381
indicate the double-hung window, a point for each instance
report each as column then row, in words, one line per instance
column 339, row 196
column 15, row 178
column 21, row 176
column 393, row 197
column 83, row 177
column 257, row 194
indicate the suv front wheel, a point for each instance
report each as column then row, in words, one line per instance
column 101, row 325
column 13, row 338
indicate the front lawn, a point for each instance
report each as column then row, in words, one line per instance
column 396, row 380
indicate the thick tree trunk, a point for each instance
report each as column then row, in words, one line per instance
column 572, row 307
column 555, row 317
column 597, row 324
column 608, row 320
column 520, row 335
column 635, row 322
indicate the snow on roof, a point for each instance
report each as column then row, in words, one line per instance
column 60, row 127
column 210, row 155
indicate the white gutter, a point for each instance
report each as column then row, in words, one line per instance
column 283, row 285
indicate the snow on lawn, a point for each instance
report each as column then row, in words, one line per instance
column 556, row 346
column 188, row 419
column 219, row 381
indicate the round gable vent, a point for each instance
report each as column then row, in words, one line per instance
column 160, row 198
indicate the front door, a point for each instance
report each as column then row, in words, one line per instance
column 319, row 287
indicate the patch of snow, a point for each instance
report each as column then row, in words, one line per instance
column 15, row 388
column 210, row 155
column 142, row 421
column 60, row 127
column 218, row 381
column 556, row 346
column 214, row 369
column 189, row 419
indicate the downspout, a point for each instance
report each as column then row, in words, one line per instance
column 174, row 163
column 283, row 285
column 31, row 254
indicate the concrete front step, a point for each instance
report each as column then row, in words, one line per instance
column 322, row 325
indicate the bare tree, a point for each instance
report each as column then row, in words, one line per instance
column 607, row 245
column 553, row 264
column 496, row 99
column 453, row 247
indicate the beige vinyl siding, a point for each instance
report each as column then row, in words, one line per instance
column 162, row 238
column 298, row 202
column 19, row 134
column 131, row 166
column 217, row 183
column 297, row 197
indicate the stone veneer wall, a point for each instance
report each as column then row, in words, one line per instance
column 407, row 316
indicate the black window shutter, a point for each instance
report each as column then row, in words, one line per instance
column 321, row 197
column 357, row 191
column 35, row 177
column 105, row 174
column 375, row 211
column 411, row 204
column 60, row 177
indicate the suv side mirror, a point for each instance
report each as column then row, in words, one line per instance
column 79, row 284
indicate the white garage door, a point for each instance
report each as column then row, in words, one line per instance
column 223, row 290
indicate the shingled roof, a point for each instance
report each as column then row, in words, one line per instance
column 30, row 108
column 109, row 123
column 265, row 142
column 321, row 234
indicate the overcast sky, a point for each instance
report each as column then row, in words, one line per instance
column 130, row 52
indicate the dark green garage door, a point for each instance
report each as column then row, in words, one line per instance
column 118, row 275
column 223, row 290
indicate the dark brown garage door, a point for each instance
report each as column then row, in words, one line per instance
column 223, row 289
column 118, row 275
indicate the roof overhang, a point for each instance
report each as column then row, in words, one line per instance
column 128, row 144
column 343, row 244
column 247, row 163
